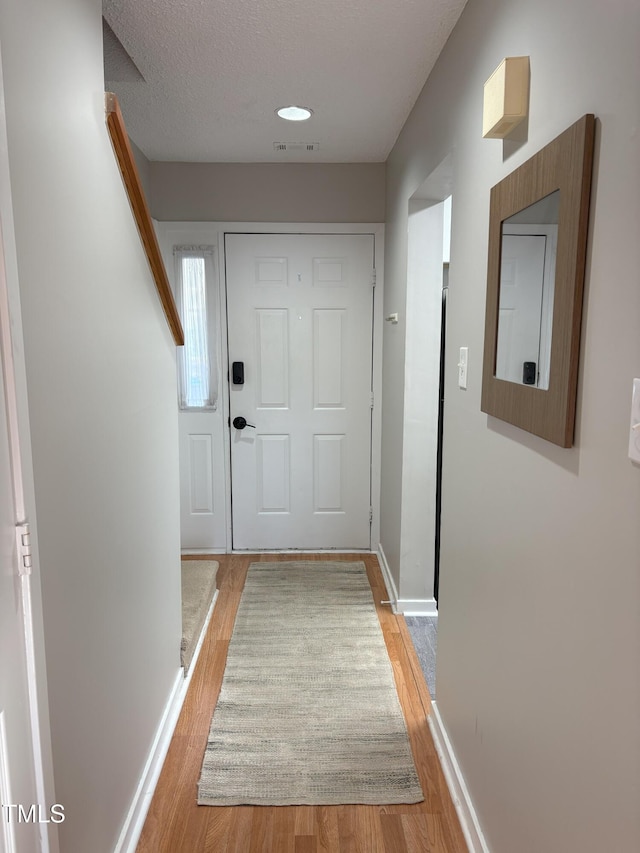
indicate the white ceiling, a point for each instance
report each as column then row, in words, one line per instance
column 199, row 80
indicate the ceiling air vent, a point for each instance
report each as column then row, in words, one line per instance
column 296, row 146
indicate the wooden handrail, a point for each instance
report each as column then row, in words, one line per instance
column 133, row 185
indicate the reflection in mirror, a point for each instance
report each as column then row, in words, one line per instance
column 527, row 277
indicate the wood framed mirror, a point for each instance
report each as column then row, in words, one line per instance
column 538, row 224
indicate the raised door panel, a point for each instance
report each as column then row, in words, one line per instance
column 272, row 474
column 329, row 329
column 272, row 358
column 200, row 474
column 328, row 473
column 330, row 272
column 202, row 495
column 271, row 272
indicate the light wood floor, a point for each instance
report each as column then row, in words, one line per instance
column 175, row 824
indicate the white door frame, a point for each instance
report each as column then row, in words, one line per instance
column 377, row 230
column 15, row 390
column 214, row 233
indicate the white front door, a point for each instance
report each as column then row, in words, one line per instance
column 300, row 320
column 521, row 279
column 527, row 276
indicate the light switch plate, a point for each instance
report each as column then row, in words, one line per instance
column 634, row 431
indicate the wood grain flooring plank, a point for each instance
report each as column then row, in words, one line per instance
column 304, row 823
column 284, row 822
column 196, row 716
column 425, row 834
column 347, row 839
column 415, row 829
column 261, row 840
column 393, row 833
column 239, row 833
column 414, row 663
column 326, row 829
column 305, row 844
column 368, row 829
column 218, row 826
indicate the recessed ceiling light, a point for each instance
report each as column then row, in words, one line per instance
column 293, row 113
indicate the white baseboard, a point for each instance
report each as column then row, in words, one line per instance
column 188, row 552
column 417, row 606
column 392, row 592
column 407, row 606
column 327, row 551
column 456, row 784
column 130, row 834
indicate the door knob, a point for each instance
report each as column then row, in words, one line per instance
column 241, row 423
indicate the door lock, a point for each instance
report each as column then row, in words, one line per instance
column 237, row 372
column 241, row 423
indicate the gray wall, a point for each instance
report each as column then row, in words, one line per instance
column 267, row 192
column 100, row 367
column 538, row 673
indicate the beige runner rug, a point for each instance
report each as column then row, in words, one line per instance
column 308, row 711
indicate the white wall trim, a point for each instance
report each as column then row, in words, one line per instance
column 457, row 786
column 392, row 592
column 132, row 828
column 19, row 435
column 407, row 606
column 7, row 833
column 200, row 551
column 302, row 551
column 376, row 424
column 417, row 606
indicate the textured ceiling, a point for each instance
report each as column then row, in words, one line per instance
column 210, row 74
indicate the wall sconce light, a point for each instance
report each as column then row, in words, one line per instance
column 506, row 97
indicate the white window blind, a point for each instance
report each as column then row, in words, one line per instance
column 197, row 364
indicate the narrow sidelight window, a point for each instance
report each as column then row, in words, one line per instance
column 197, row 369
